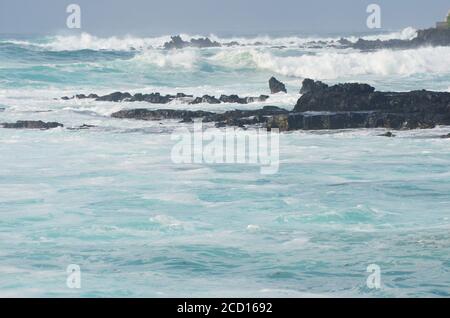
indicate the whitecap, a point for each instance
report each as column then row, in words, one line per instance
column 335, row 64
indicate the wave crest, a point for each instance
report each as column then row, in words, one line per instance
column 186, row 59
column 86, row 41
column 338, row 64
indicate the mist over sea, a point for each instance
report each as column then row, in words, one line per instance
column 110, row 199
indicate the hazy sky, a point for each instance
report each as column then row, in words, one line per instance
column 107, row 17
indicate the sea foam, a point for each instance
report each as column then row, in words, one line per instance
column 86, row 41
column 333, row 64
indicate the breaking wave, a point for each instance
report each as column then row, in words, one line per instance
column 186, row 59
column 343, row 63
column 86, row 41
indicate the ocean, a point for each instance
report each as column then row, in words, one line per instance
column 110, row 200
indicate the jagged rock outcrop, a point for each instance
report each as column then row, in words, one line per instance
column 341, row 106
column 229, row 118
column 276, row 86
column 159, row 114
column 318, row 96
column 242, row 118
column 232, row 99
column 427, row 37
column 153, row 98
column 31, row 124
column 157, row 98
column 354, row 105
column 114, row 97
column 205, row 99
column 177, row 42
column 347, row 120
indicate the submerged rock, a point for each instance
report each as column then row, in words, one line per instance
column 30, row 124
column 276, row 86
column 387, row 134
column 81, row 96
column 82, row 127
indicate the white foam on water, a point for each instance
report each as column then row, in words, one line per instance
column 86, row 41
column 171, row 59
column 344, row 63
column 408, row 33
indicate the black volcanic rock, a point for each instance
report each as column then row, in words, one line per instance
column 82, row 127
column 433, row 37
column 387, row 134
column 81, row 96
column 362, row 97
column 341, row 106
column 242, row 118
column 159, row 114
column 177, row 42
column 30, row 124
column 114, row 97
column 344, row 42
column 310, row 85
column 428, row 37
column 153, row 98
column 276, row 86
column 182, row 95
column 354, row 105
column 157, row 98
column 242, row 100
column 238, row 118
column 232, row 99
column 205, row 99
column 348, row 120
column 204, row 42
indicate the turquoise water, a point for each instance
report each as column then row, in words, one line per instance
column 110, row 199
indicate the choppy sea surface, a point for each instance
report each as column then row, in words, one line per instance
column 110, row 199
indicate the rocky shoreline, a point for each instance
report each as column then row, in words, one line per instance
column 427, row 37
column 320, row 107
column 157, row 98
column 342, row 106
